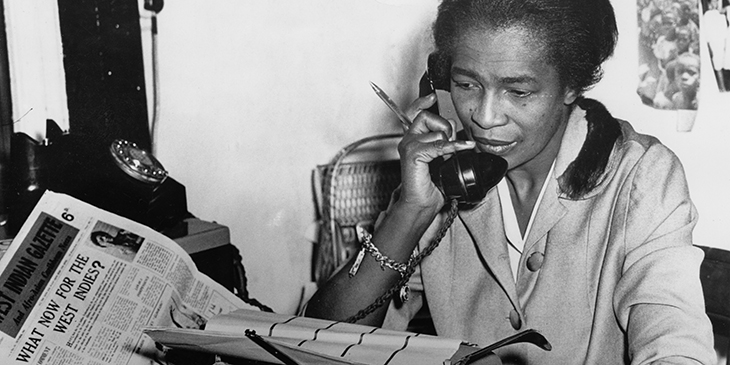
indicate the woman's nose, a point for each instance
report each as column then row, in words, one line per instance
column 489, row 113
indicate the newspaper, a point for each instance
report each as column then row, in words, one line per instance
column 78, row 285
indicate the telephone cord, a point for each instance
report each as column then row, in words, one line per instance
column 381, row 300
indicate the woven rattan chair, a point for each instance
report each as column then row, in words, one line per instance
column 349, row 195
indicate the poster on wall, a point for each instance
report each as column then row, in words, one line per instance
column 669, row 53
column 716, row 34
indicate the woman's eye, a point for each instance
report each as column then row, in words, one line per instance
column 519, row 93
column 464, row 85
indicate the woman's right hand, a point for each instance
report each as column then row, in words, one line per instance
column 400, row 228
column 429, row 137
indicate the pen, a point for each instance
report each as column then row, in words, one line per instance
column 269, row 348
column 391, row 104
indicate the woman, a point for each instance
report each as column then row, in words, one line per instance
column 587, row 239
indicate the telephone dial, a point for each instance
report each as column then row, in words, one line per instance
column 468, row 175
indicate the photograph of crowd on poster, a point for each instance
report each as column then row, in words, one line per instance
column 669, row 53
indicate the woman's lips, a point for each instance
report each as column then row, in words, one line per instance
column 494, row 146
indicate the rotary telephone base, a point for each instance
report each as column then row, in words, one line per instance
column 118, row 177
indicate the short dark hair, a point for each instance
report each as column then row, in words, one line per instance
column 577, row 35
column 97, row 234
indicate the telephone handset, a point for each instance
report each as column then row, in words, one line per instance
column 468, row 175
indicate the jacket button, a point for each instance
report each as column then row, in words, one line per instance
column 515, row 320
column 534, row 262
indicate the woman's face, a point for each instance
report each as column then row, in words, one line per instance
column 509, row 100
column 103, row 240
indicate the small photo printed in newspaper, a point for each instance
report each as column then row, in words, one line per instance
column 115, row 241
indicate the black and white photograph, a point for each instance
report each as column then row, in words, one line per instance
column 115, row 241
column 503, row 182
column 669, row 53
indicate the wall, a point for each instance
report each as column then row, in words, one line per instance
column 255, row 94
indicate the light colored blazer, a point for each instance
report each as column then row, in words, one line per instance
column 619, row 277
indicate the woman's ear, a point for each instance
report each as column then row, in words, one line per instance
column 570, row 96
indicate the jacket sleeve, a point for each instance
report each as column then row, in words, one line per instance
column 659, row 301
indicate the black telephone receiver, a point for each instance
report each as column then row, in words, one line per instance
column 466, row 176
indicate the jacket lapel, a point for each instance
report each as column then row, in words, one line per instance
column 484, row 224
column 551, row 210
column 548, row 214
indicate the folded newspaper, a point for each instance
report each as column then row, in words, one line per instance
column 79, row 284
